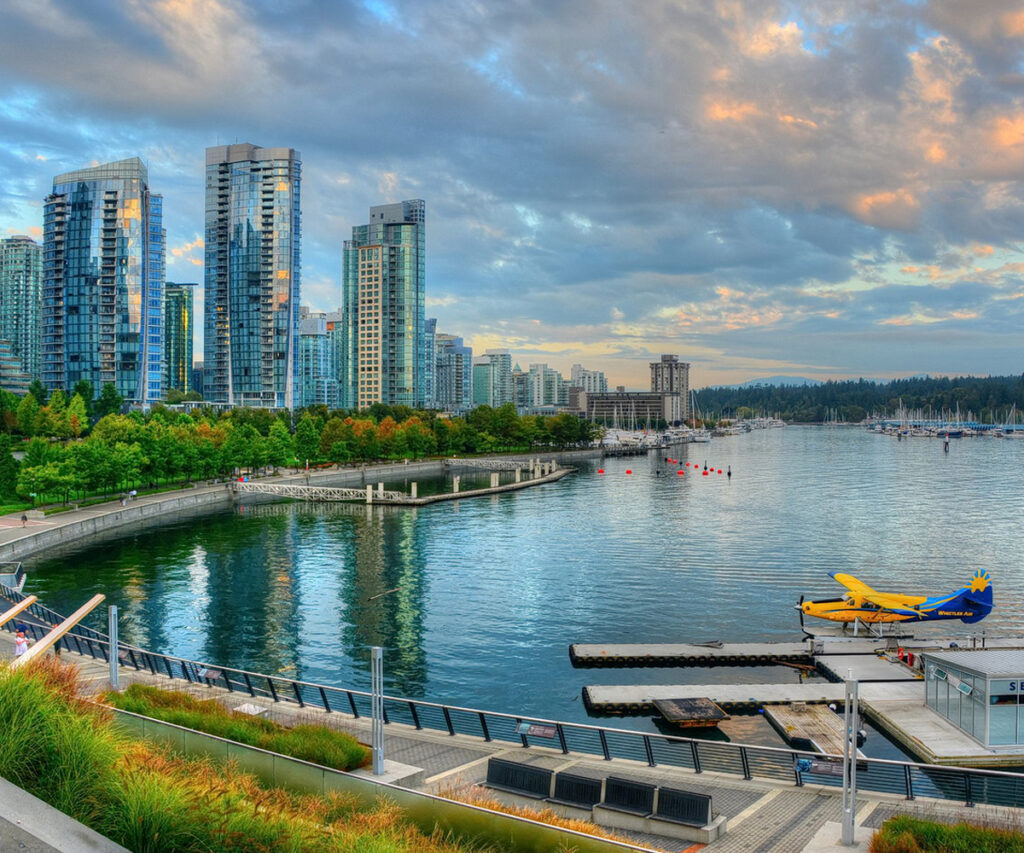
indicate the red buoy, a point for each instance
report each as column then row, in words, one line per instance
column 600, row 470
column 628, row 471
column 705, row 473
column 680, row 473
column 719, row 470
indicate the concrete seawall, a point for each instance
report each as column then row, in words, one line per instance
column 68, row 529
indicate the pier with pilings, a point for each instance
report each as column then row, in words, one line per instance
column 538, row 474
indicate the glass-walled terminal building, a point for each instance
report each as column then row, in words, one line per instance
column 979, row 692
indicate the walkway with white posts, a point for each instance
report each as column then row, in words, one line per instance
column 537, row 473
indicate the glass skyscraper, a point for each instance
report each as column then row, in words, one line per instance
column 251, row 310
column 178, row 330
column 383, row 309
column 21, row 296
column 103, row 274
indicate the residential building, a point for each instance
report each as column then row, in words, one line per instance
column 316, row 381
column 12, row 377
column 453, row 374
column 591, row 381
column 198, row 373
column 178, row 331
column 383, row 308
column 429, row 362
column 492, row 379
column 21, row 299
column 670, row 375
column 103, row 277
column 252, row 281
column 632, row 409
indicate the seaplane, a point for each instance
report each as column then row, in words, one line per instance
column 863, row 605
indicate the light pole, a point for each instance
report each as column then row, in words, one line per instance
column 112, row 633
column 850, row 721
column 377, row 708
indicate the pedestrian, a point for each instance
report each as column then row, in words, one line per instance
column 121, row 497
column 132, row 494
column 20, row 644
column 24, row 519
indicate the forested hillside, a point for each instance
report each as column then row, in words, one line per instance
column 989, row 399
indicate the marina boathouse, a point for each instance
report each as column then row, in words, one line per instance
column 979, row 692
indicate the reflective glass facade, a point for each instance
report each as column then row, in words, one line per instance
column 383, row 309
column 251, row 312
column 21, row 297
column 103, row 273
column 979, row 692
column 316, row 382
column 178, row 331
column 453, row 374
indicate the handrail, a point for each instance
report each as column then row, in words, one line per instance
column 907, row 778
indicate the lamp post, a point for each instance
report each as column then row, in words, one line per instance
column 112, row 652
column 851, row 724
column 377, row 708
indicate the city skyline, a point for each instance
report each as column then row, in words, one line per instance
column 825, row 190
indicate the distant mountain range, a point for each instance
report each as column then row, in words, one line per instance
column 777, row 380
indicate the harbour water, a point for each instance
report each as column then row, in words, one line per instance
column 476, row 602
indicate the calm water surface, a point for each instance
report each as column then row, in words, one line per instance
column 476, row 602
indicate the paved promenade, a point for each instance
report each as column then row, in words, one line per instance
column 763, row 816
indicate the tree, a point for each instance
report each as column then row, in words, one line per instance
column 38, row 390
column 76, row 416
column 28, row 410
column 280, row 449
column 307, row 439
column 334, row 430
column 8, row 468
column 110, row 401
column 84, row 389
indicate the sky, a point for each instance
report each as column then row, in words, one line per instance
column 828, row 189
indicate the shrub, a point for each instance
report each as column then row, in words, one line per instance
column 906, row 834
column 316, row 744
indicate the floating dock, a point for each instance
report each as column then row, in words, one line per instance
column 687, row 654
column 690, row 713
column 636, row 699
column 612, row 655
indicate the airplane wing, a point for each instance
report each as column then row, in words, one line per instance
column 851, row 583
column 899, row 603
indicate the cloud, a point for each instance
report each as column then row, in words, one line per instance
column 740, row 182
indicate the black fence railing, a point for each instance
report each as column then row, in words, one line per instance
column 908, row 779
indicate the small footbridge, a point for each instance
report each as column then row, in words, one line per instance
column 322, row 493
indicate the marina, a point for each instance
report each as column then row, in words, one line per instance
column 476, row 602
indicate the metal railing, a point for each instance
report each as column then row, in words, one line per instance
column 904, row 778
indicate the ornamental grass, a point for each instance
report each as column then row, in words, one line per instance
column 316, row 744
column 906, row 834
column 474, row 795
column 64, row 750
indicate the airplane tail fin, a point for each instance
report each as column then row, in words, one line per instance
column 976, row 597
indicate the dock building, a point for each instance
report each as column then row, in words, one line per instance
column 979, row 692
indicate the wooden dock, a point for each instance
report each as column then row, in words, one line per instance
column 813, row 727
column 865, row 668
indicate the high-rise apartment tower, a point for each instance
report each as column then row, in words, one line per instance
column 383, row 308
column 103, row 278
column 178, row 330
column 251, row 309
column 670, row 375
column 21, row 297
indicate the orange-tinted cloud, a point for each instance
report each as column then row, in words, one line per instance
column 730, row 110
column 897, row 209
column 1008, row 131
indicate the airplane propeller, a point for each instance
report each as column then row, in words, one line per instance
column 800, row 607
